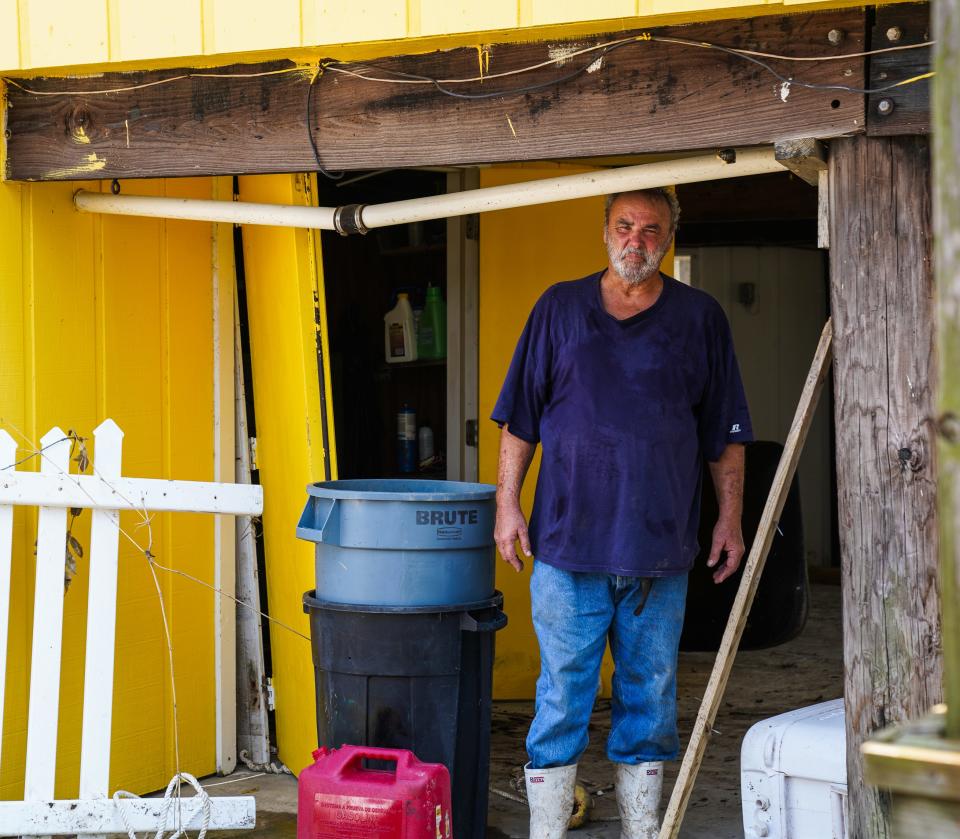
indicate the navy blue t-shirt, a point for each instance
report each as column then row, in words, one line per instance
column 625, row 410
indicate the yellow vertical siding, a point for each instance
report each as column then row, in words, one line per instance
column 140, row 31
column 545, row 12
column 285, row 291
column 666, row 7
column 9, row 35
column 111, row 316
column 55, row 32
column 14, row 374
column 64, row 33
column 379, row 20
column 439, row 17
column 522, row 253
column 241, row 25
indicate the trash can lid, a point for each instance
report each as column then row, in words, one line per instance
column 311, row 602
column 402, row 489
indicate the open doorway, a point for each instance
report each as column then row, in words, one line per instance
column 752, row 244
column 366, row 275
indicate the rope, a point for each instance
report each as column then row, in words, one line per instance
column 168, row 799
column 268, row 768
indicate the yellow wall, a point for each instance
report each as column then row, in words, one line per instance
column 112, row 317
column 287, row 313
column 46, row 34
column 522, row 253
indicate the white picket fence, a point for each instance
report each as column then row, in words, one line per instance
column 105, row 492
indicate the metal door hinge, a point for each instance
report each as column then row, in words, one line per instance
column 472, row 227
column 471, row 433
column 271, row 695
column 254, row 462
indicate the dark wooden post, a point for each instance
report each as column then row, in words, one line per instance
column 884, row 376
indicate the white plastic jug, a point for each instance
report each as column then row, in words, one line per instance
column 399, row 336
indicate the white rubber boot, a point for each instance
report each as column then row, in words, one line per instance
column 638, row 797
column 550, row 796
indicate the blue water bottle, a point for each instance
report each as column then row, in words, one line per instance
column 407, row 439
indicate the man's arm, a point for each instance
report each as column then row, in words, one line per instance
column 515, row 457
column 727, row 474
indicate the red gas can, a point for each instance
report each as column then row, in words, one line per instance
column 340, row 799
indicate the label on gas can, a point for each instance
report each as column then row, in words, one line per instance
column 356, row 817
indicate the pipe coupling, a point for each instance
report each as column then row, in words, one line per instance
column 349, row 219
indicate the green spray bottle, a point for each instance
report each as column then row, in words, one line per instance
column 432, row 330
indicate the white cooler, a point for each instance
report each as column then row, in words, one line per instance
column 793, row 775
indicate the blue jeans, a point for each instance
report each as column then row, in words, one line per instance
column 573, row 614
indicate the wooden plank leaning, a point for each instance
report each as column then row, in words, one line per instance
column 748, row 586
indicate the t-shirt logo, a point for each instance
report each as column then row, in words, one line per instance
column 736, row 428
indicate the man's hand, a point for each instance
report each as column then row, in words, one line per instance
column 510, row 527
column 727, row 536
column 727, row 474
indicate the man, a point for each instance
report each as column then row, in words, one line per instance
column 628, row 380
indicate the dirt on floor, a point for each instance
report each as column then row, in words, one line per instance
column 763, row 683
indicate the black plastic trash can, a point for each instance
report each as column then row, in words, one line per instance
column 779, row 610
column 417, row 678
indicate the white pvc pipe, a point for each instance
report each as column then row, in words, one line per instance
column 708, row 167
column 200, row 209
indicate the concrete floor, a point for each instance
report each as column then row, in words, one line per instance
column 763, row 683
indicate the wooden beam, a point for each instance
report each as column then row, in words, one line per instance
column 906, row 109
column 922, row 769
column 881, row 281
column 916, row 759
column 806, row 158
column 646, row 96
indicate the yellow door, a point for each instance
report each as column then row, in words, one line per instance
column 522, row 253
column 286, row 307
column 114, row 317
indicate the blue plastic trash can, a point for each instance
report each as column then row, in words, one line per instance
column 400, row 542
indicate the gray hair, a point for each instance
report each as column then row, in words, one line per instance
column 661, row 192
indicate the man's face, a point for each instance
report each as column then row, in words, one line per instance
column 637, row 236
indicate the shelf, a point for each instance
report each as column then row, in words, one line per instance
column 425, row 362
column 412, row 250
column 438, row 474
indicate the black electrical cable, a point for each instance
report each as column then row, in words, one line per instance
column 749, row 55
column 333, row 176
column 786, row 79
column 488, row 94
column 439, row 86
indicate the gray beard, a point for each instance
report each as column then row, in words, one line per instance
column 637, row 272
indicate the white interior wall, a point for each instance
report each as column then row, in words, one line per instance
column 775, row 337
